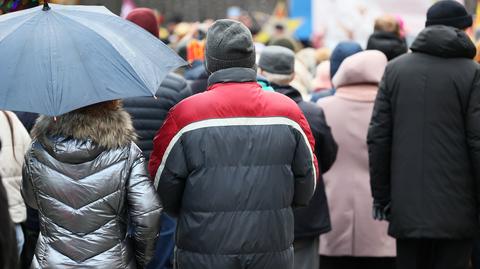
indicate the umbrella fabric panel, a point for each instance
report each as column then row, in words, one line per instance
column 72, row 59
column 69, row 57
column 13, row 24
column 144, row 53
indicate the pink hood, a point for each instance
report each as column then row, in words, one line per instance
column 365, row 67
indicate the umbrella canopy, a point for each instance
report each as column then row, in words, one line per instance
column 55, row 60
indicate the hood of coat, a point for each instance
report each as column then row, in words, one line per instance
column 81, row 135
column 342, row 51
column 234, row 74
column 444, row 41
column 388, row 43
column 365, row 67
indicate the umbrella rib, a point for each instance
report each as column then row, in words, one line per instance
column 51, row 85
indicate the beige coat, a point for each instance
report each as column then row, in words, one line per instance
column 11, row 161
column 354, row 232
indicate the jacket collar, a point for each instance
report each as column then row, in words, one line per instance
column 236, row 74
column 106, row 128
column 289, row 91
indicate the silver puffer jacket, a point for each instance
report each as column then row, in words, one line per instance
column 89, row 180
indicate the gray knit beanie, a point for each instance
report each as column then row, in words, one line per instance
column 229, row 44
column 277, row 60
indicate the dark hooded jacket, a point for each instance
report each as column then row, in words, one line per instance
column 231, row 164
column 149, row 113
column 313, row 220
column 424, row 138
column 87, row 179
column 389, row 43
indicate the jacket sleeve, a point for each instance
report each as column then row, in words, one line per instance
column 304, row 166
column 472, row 121
column 379, row 142
column 27, row 190
column 144, row 209
column 168, row 166
column 325, row 146
column 186, row 91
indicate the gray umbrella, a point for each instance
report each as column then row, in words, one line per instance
column 59, row 58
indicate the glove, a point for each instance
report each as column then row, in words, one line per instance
column 381, row 211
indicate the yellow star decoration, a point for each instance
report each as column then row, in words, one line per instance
column 279, row 17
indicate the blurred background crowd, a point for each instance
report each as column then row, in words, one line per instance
column 321, row 34
column 311, row 28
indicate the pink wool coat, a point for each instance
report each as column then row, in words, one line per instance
column 348, row 112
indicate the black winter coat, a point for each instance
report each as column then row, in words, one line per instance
column 389, row 43
column 313, row 220
column 148, row 113
column 424, row 138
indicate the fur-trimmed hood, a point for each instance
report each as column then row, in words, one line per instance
column 109, row 128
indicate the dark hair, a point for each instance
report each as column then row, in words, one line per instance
column 8, row 241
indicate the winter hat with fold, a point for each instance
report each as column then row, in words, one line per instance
column 229, row 44
column 449, row 13
column 145, row 18
column 277, row 60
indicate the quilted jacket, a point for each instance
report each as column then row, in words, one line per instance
column 231, row 163
column 88, row 180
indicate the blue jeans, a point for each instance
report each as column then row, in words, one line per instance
column 20, row 238
column 163, row 258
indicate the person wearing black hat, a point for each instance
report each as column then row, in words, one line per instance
column 424, row 145
column 232, row 162
column 277, row 65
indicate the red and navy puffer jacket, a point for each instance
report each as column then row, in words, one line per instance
column 231, row 163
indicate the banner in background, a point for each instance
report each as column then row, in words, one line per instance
column 302, row 9
column 339, row 20
column 7, row 6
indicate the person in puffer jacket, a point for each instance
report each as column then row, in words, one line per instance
column 277, row 64
column 88, row 179
column 232, row 162
column 148, row 115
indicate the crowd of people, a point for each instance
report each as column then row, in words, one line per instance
column 260, row 156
